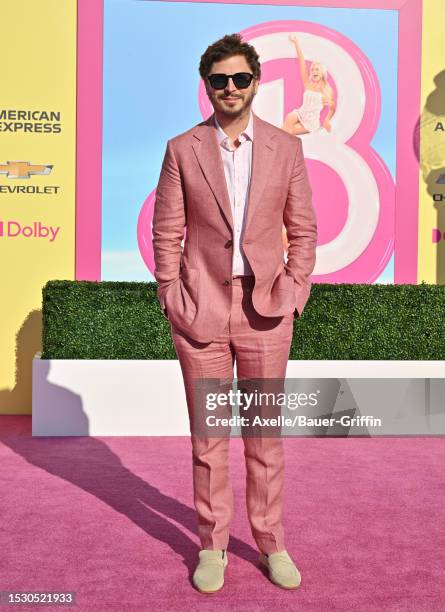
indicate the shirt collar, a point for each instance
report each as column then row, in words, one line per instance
column 225, row 140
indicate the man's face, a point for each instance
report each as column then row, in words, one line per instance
column 231, row 102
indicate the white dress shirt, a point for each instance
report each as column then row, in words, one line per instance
column 237, row 162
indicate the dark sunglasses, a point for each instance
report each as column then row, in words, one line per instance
column 241, row 80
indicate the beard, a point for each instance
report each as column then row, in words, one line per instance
column 238, row 109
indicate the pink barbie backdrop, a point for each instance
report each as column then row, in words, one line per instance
column 365, row 215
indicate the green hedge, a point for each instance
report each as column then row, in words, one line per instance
column 122, row 320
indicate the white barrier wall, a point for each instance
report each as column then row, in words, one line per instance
column 147, row 398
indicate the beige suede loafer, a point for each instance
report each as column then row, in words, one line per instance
column 209, row 573
column 282, row 570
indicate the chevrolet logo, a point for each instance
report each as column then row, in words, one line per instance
column 23, row 170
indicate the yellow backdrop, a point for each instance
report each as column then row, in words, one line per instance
column 37, row 125
column 431, row 258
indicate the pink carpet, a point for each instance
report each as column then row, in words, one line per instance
column 112, row 519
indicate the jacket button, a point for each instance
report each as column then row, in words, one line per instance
column 228, row 244
column 226, row 282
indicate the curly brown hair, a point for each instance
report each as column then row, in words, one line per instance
column 228, row 46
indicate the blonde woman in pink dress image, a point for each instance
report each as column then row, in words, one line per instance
column 317, row 94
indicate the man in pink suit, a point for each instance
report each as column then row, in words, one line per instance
column 230, row 296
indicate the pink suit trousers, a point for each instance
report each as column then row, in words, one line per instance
column 260, row 348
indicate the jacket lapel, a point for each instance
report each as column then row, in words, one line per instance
column 206, row 148
column 263, row 153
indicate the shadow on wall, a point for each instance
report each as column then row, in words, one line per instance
column 18, row 400
column 429, row 146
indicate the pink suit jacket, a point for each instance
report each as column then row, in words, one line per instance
column 195, row 281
